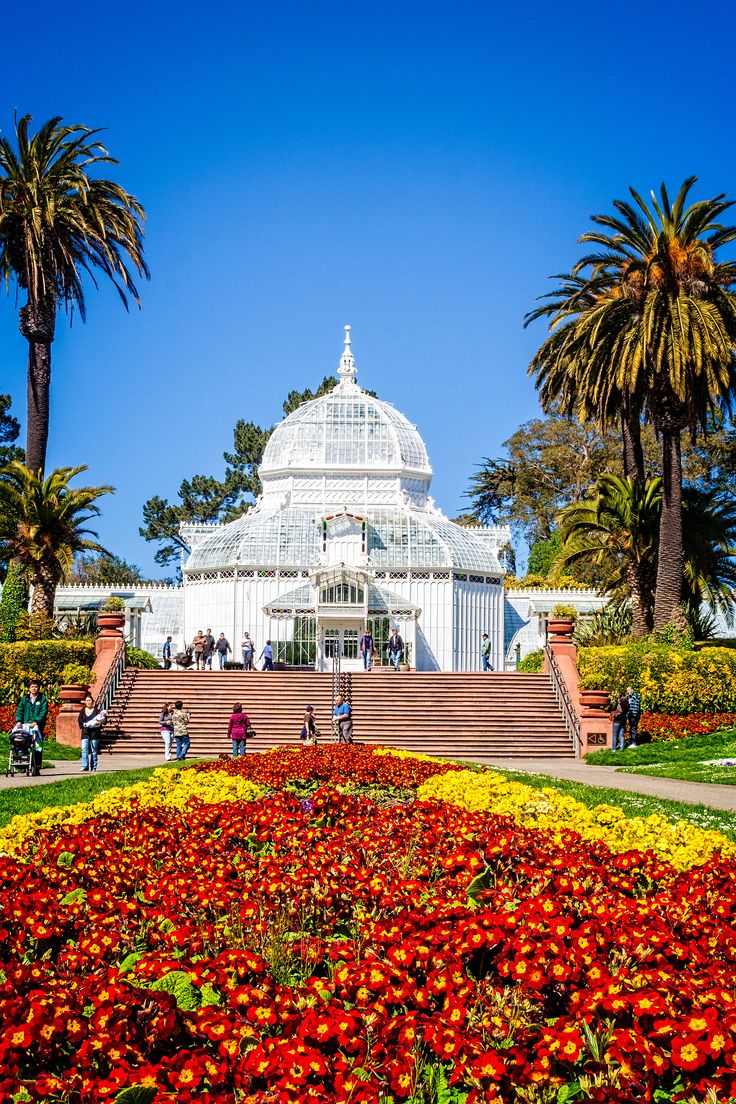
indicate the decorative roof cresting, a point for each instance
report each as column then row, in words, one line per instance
column 347, row 371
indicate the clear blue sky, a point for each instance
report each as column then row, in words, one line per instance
column 414, row 169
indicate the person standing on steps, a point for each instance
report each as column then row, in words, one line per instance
column 167, row 654
column 166, row 727
column 198, row 645
column 267, row 657
column 223, row 647
column 33, row 708
column 634, row 714
column 485, row 653
column 90, row 719
column 248, row 648
column 237, row 729
column 209, row 649
column 620, row 713
column 395, row 649
column 366, row 648
column 343, row 714
column 308, row 734
column 180, row 720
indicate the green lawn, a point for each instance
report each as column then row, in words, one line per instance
column 29, row 799
column 684, row 759
column 32, row 798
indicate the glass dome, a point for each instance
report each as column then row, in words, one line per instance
column 345, row 430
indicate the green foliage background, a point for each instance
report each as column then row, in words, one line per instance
column 670, row 679
column 40, row 659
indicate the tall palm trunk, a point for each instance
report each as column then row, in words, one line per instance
column 668, row 594
column 633, row 451
column 45, row 581
column 642, row 612
column 37, row 324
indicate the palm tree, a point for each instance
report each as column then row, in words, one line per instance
column 58, row 223
column 619, row 529
column 43, row 524
column 648, row 323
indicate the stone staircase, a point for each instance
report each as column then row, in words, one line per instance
column 478, row 716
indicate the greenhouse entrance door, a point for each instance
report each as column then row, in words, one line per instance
column 342, row 639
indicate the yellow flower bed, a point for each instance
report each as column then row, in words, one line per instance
column 682, row 844
column 171, row 788
column 396, row 754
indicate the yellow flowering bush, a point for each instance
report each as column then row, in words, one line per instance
column 173, row 789
column 670, row 679
column 683, row 844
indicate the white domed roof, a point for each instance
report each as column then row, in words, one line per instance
column 345, row 430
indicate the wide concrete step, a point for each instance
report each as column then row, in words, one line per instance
column 455, row 714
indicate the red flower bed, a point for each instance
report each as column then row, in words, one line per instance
column 7, row 719
column 671, row 726
column 325, row 948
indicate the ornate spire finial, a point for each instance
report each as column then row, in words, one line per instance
column 347, row 370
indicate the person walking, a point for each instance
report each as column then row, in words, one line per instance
column 166, row 727
column 308, row 734
column 33, row 708
column 222, row 647
column 395, row 649
column 634, row 714
column 166, row 653
column 343, row 714
column 248, row 648
column 620, row 712
column 90, row 719
column 180, row 721
column 366, row 649
column 485, row 653
column 267, row 657
column 209, row 649
column 198, row 646
column 237, row 729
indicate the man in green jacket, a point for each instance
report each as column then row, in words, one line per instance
column 33, row 708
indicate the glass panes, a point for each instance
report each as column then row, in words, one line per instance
column 332, row 643
column 339, row 593
column 350, row 643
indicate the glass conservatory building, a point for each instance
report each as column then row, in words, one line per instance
column 345, row 536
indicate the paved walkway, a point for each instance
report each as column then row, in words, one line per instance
column 64, row 769
column 672, row 789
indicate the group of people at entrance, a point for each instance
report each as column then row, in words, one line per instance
column 394, row 649
column 204, row 647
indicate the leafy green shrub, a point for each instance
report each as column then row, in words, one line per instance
column 114, row 605
column 533, row 662
column 563, row 612
column 610, row 625
column 13, row 603
column 77, row 674
column 137, row 657
column 670, row 679
column 43, row 660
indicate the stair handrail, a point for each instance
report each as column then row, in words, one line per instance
column 562, row 694
column 334, row 728
column 112, row 678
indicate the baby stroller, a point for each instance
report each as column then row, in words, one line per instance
column 26, row 744
column 185, row 659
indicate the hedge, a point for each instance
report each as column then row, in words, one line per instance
column 670, row 679
column 40, row 659
column 532, row 662
column 138, row 657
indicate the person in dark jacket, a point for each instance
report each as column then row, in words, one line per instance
column 237, row 729
column 33, row 708
column 634, row 714
column 209, row 649
column 620, row 713
column 223, row 647
column 89, row 720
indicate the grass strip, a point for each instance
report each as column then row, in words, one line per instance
column 684, row 759
column 20, row 800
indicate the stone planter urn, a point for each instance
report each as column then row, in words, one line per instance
column 110, row 623
column 594, row 699
column 72, row 696
column 560, row 629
